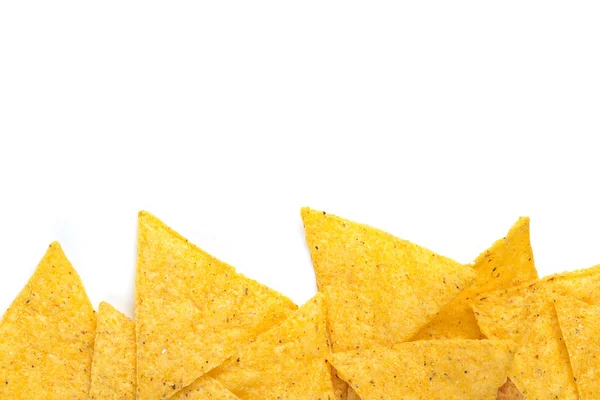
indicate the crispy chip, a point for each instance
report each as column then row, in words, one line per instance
column 205, row 388
column 541, row 367
column 113, row 364
column 509, row 391
column 580, row 327
column 438, row 369
column 508, row 262
column 502, row 314
column 340, row 388
column 287, row 362
column 192, row 310
column 47, row 335
column 379, row 289
column 352, row 394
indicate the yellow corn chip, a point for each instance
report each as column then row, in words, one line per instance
column 340, row 388
column 113, row 364
column 352, row 394
column 508, row 262
column 438, row 369
column 541, row 367
column 580, row 327
column 47, row 335
column 379, row 289
column 192, row 310
column 287, row 362
column 509, row 391
column 205, row 388
column 502, row 314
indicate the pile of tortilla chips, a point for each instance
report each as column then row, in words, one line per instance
column 391, row 320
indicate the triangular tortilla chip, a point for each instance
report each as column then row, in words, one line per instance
column 580, row 327
column 47, row 335
column 508, row 262
column 192, row 310
column 203, row 389
column 379, row 289
column 541, row 368
column 287, row 362
column 113, row 364
column 509, row 391
column 502, row 314
column 438, row 369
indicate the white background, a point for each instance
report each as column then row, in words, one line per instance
column 439, row 122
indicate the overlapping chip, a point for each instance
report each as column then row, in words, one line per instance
column 205, row 388
column 192, row 310
column 509, row 391
column 352, row 395
column 505, row 313
column 113, row 364
column 508, row 262
column 287, row 362
column 541, row 368
column 203, row 331
column 340, row 388
column 438, row 369
column 580, row 327
column 379, row 289
column 47, row 335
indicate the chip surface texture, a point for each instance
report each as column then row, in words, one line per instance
column 378, row 289
column 47, row 335
column 193, row 311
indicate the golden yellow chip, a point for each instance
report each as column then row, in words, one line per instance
column 503, row 314
column 287, row 362
column 113, row 364
column 47, row 335
column 205, row 388
column 541, row 367
column 352, row 394
column 509, row 391
column 508, row 262
column 340, row 388
column 192, row 310
column 438, row 369
column 580, row 327
column 379, row 289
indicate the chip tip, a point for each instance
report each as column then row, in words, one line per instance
column 145, row 216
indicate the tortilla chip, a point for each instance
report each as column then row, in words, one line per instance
column 340, row 388
column 580, row 327
column 438, row 369
column 352, row 394
column 47, row 335
column 503, row 314
column 287, row 362
column 192, row 310
column 508, row 262
column 379, row 289
column 541, row 368
column 203, row 389
column 509, row 391
column 113, row 364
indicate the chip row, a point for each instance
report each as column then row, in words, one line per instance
column 391, row 320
